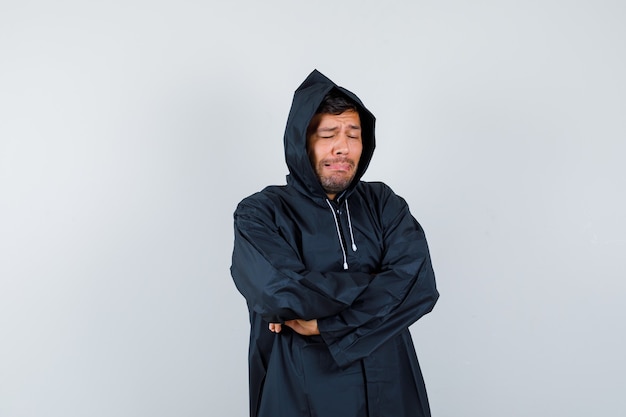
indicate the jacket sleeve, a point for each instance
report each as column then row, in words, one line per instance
column 402, row 292
column 269, row 272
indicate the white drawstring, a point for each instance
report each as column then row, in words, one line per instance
column 350, row 227
column 343, row 251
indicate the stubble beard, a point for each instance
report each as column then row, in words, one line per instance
column 336, row 182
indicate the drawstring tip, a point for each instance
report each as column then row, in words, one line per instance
column 353, row 247
column 345, row 265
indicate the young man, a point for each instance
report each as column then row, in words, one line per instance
column 334, row 271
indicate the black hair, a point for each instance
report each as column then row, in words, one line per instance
column 335, row 102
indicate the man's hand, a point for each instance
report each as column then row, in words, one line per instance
column 303, row 327
column 275, row 327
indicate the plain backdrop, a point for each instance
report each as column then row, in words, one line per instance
column 129, row 131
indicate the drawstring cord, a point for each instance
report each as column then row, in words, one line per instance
column 350, row 227
column 343, row 251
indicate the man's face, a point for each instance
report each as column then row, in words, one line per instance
column 334, row 146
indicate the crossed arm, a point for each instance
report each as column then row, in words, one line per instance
column 274, row 280
column 354, row 312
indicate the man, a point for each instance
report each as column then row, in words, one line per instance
column 334, row 271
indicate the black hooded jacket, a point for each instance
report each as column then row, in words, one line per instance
column 359, row 265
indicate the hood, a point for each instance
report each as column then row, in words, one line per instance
column 306, row 100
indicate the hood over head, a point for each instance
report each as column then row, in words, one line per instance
column 306, row 101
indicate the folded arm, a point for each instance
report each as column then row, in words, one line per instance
column 270, row 274
column 402, row 292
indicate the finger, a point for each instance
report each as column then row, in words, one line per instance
column 275, row 327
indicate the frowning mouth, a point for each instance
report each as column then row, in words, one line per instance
column 338, row 164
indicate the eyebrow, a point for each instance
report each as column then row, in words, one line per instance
column 332, row 129
column 327, row 129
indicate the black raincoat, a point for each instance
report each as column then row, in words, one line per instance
column 358, row 264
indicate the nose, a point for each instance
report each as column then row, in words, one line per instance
column 341, row 146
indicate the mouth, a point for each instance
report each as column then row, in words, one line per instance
column 340, row 165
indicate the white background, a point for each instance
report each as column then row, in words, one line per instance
column 129, row 130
